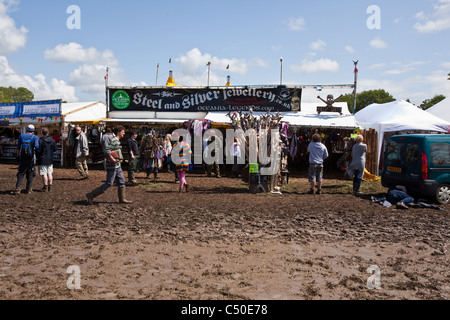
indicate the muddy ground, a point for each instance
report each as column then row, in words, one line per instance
column 216, row 242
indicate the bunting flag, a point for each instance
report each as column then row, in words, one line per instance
column 170, row 60
column 356, row 70
column 228, row 67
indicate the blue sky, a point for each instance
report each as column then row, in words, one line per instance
column 408, row 55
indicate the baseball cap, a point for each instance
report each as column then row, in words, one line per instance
column 30, row 128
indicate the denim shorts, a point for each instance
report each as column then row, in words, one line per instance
column 315, row 172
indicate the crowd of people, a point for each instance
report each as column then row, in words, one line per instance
column 154, row 153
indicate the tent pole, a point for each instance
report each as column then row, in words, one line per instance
column 356, row 80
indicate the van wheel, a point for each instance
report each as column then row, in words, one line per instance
column 443, row 193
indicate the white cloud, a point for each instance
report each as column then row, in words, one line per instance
column 194, row 63
column 90, row 79
column 12, row 38
column 349, row 49
column 437, row 21
column 42, row 89
column 377, row 43
column 416, row 88
column 259, row 63
column 318, row 45
column 401, row 68
column 194, row 71
column 276, row 47
column 377, row 65
column 296, row 24
column 74, row 52
column 446, row 65
column 309, row 66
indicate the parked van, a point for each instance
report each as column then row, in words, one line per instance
column 421, row 163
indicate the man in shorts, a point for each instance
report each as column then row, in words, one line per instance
column 317, row 154
column 47, row 147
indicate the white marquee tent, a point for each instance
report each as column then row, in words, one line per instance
column 398, row 116
column 79, row 112
column 441, row 109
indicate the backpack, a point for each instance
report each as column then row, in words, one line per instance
column 26, row 151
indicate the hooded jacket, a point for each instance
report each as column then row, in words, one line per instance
column 47, row 147
column 317, row 152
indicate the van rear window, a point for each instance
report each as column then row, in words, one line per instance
column 440, row 154
column 412, row 153
column 394, row 152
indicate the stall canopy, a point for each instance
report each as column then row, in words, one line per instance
column 308, row 116
column 83, row 112
column 38, row 112
column 398, row 116
column 441, row 109
column 157, row 117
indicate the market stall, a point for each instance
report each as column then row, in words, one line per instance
column 90, row 116
column 14, row 117
column 164, row 109
column 335, row 127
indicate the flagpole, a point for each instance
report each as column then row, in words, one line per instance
column 157, row 70
column 356, row 80
column 106, row 87
column 281, row 71
column 209, row 69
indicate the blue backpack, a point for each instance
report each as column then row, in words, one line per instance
column 26, row 150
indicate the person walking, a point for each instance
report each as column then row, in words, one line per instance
column 26, row 152
column 81, row 151
column 358, row 164
column 151, row 147
column 133, row 152
column 317, row 155
column 47, row 148
column 167, row 146
column 182, row 166
column 105, row 141
column 113, row 169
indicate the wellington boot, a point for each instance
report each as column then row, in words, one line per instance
column 122, row 196
column 94, row 193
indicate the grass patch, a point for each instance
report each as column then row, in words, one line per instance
column 151, row 185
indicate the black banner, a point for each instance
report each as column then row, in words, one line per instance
column 204, row 99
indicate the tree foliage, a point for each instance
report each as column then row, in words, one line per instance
column 4, row 98
column 11, row 94
column 365, row 98
column 428, row 103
